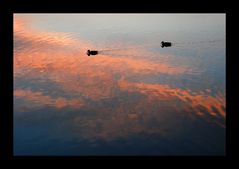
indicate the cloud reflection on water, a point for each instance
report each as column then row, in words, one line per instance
column 59, row 58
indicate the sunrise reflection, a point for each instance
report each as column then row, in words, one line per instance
column 116, row 95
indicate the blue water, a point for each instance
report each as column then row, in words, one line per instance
column 134, row 98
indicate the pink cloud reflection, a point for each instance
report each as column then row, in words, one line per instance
column 95, row 78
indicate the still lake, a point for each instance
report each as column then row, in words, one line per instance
column 133, row 98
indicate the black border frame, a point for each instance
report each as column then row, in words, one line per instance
column 8, row 8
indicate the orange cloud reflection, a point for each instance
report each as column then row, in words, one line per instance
column 214, row 105
column 43, row 100
column 101, row 77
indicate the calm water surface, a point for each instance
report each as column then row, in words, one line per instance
column 134, row 98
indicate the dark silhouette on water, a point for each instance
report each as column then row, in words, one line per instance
column 95, row 52
column 92, row 52
column 163, row 44
column 166, row 44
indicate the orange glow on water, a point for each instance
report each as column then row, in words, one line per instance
column 45, row 100
column 100, row 77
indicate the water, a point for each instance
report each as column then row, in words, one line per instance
column 133, row 98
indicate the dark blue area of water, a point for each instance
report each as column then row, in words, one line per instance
column 45, row 132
